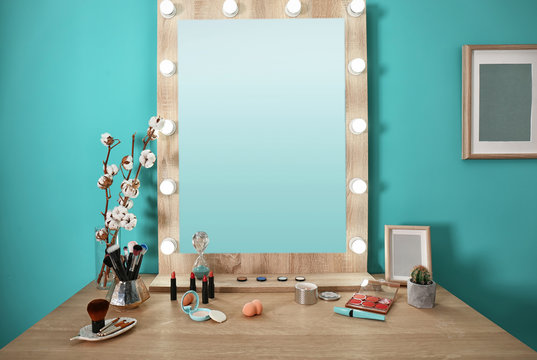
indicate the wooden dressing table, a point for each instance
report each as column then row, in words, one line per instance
column 285, row 330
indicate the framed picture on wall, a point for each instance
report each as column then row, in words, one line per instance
column 499, row 101
column 406, row 247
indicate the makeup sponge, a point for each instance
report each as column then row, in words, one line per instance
column 188, row 299
column 258, row 306
column 249, row 309
column 252, row 308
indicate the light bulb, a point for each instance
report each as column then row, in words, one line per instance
column 167, row 68
column 357, row 126
column 356, row 8
column 356, row 66
column 167, row 187
column 168, row 127
column 167, row 9
column 168, row 246
column 358, row 186
column 230, row 8
column 357, row 245
column 293, row 8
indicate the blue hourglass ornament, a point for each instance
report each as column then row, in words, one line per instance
column 200, row 240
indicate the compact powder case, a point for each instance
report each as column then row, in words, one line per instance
column 201, row 314
column 196, row 313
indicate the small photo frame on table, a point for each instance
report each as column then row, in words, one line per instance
column 499, row 101
column 406, row 247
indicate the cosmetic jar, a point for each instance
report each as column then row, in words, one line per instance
column 306, row 293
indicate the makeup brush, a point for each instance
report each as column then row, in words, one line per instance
column 125, row 255
column 97, row 310
column 108, row 262
column 131, row 249
column 113, row 251
column 136, row 252
column 109, row 325
column 139, row 264
column 117, row 326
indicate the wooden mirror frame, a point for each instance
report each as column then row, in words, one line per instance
column 356, row 144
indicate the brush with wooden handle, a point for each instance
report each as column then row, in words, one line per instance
column 120, row 325
column 109, row 324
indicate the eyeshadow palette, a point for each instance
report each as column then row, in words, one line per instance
column 374, row 296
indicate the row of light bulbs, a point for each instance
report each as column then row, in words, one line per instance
column 168, row 68
column 230, row 8
column 169, row 245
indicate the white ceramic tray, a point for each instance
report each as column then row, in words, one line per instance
column 85, row 333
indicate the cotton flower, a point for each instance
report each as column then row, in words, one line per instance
column 119, row 212
column 105, row 181
column 152, row 133
column 156, row 122
column 112, row 170
column 130, row 188
column 147, row 158
column 128, row 205
column 127, row 162
column 129, row 221
column 107, row 139
column 101, row 235
column 110, row 222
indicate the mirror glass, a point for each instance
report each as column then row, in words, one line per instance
column 262, row 134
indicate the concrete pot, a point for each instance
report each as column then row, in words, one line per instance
column 421, row 296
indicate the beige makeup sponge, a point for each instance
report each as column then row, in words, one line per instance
column 252, row 308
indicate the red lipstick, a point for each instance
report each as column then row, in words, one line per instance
column 173, row 287
column 192, row 281
column 204, row 291
column 211, row 285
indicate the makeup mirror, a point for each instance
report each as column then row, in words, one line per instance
column 406, row 247
column 263, row 154
column 262, row 134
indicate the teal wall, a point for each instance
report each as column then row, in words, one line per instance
column 482, row 212
column 73, row 76
column 66, row 77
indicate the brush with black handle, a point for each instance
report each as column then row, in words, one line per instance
column 139, row 261
column 136, row 251
column 108, row 262
column 113, row 251
column 125, row 256
column 131, row 245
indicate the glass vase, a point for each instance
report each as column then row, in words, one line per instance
column 104, row 276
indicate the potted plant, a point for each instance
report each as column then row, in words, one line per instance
column 421, row 289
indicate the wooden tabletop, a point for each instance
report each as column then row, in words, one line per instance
column 285, row 330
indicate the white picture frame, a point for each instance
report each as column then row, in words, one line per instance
column 405, row 247
column 475, row 143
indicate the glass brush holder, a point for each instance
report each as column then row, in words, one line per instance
column 200, row 240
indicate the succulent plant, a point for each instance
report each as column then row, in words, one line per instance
column 420, row 275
